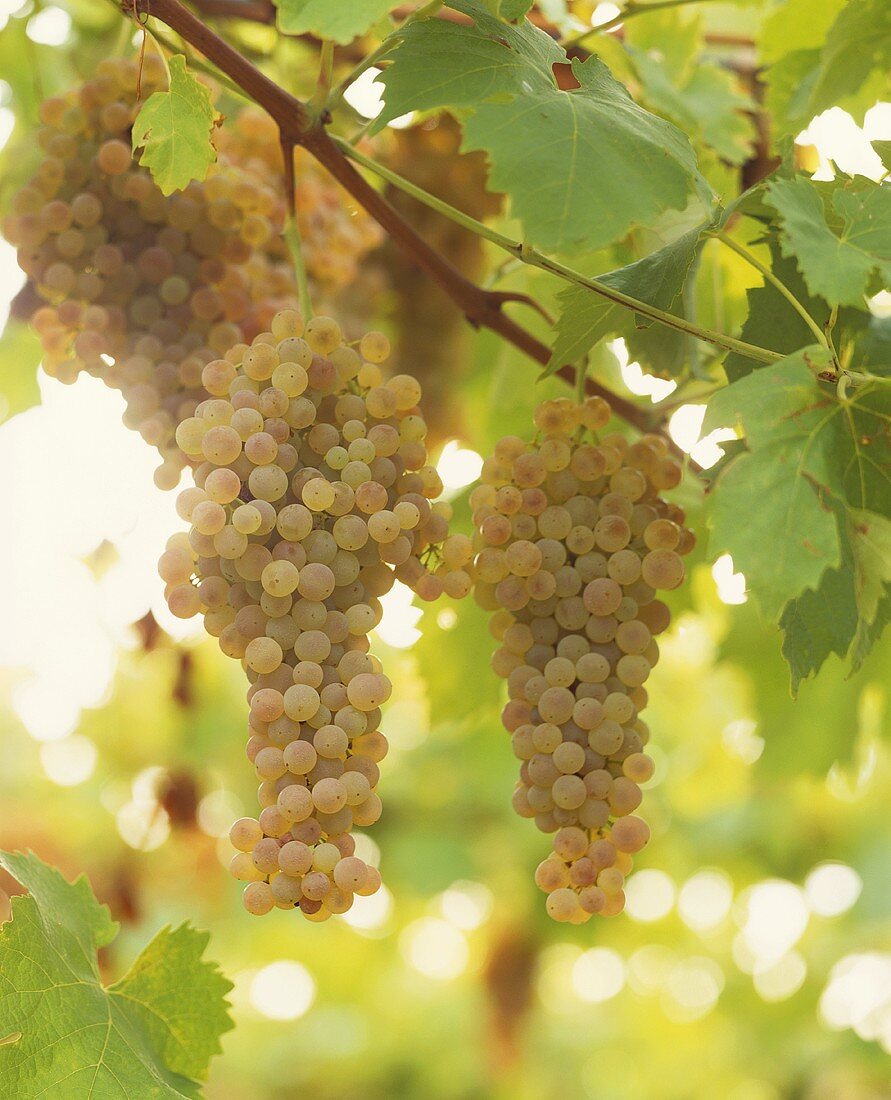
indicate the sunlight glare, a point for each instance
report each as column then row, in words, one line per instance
column 283, row 990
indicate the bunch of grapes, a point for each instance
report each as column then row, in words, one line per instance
column 335, row 231
column 312, row 496
column 573, row 543
column 143, row 290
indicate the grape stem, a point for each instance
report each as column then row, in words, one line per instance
column 292, row 238
column 776, row 283
column 482, row 308
column 326, row 77
column 525, row 253
column 581, row 374
column 628, row 12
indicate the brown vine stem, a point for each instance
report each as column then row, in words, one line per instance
column 482, row 308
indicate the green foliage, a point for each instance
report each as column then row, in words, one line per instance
column 151, row 1034
column 513, row 10
column 823, row 55
column 341, row 22
column 816, row 464
column 750, row 783
column 704, row 100
column 766, row 511
column 771, row 322
column 858, row 43
column 658, row 280
column 839, row 239
column 581, row 167
column 173, row 130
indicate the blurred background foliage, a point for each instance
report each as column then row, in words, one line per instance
column 754, row 958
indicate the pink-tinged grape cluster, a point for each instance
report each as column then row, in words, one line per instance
column 572, row 543
column 335, row 231
column 313, row 494
column 143, row 290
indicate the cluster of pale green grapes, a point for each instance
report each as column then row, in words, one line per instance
column 573, row 541
column 143, row 290
column 312, row 496
column 335, row 231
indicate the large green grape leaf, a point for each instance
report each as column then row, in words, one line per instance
column 837, row 260
column 63, row 1034
column 19, row 359
column 174, row 129
column 581, row 167
column 335, row 19
column 810, row 455
column 657, row 279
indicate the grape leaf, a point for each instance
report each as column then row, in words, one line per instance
column 847, row 605
column 836, row 261
column 789, row 80
column 581, row 167
column 883, row 148
column 819, row 622
column 824, row 55
column 173, row 130
column 870, row 536
column 797, row 25
column 771, row 322
column 19, row 359
column 657, row 279
column 339, row 20
column 869, row 633
column 707, row 103
column 874, row 346
column 150, row 1035
column 808, row 454
column 857, row 43
column 513, row 10
column 673, row 37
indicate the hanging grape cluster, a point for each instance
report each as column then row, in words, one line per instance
column 335, row 231
column 573, row 543
column 312, row 496
column 143, row 290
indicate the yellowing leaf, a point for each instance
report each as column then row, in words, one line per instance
column 174, row 129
